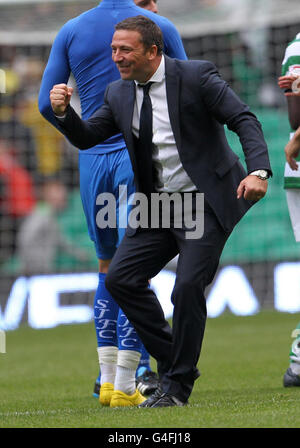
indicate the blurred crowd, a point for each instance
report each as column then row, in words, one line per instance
column 32, row 152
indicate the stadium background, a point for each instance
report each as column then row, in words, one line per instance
column 246, row 39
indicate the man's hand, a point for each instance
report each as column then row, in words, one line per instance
column 252, row 188
column 289, row 82
column 292, row 150
column 60, row 97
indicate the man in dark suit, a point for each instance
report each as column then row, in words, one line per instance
column 188, row 154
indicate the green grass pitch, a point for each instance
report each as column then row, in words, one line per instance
column 47, row 378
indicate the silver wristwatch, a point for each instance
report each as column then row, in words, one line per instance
column 262, row 174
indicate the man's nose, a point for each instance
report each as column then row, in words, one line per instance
column 154, row 8
column 117, row 56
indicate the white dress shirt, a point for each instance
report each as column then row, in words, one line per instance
column 170, row 173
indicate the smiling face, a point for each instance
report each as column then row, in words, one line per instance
column 133, row 60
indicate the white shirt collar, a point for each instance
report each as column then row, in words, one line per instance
column 159, row 75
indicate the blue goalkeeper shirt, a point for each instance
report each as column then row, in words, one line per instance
column 82, row 47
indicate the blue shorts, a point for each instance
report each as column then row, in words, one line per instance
column 104, row 173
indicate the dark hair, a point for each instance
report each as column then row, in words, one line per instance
column 150, row 33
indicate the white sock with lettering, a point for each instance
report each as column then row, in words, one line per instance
column 295, row 367
column 108, row 363
column 295, row 354
column 128, row 361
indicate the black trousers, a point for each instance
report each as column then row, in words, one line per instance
column 141, row 257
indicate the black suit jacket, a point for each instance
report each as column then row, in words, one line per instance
column 200, row 102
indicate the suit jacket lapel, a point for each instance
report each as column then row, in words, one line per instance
column 127, row 97
column 127, row 105
column 173, row 92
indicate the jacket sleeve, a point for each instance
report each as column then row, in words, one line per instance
column 229, row 109
column 84, row 134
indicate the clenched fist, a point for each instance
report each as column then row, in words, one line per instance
column 252, row 188
column 60, row 97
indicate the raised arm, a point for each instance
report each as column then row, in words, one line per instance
column 83, row 134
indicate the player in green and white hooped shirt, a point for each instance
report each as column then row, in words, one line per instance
column 291, row 66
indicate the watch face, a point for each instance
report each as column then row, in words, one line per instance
column 263, row 174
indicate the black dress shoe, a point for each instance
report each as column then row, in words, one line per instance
column 164, row 400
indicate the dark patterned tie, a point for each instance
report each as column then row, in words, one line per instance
column 145, row 143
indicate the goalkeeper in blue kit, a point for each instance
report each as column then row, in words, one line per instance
column 82, row 47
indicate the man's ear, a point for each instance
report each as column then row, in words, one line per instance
column 152, row 52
